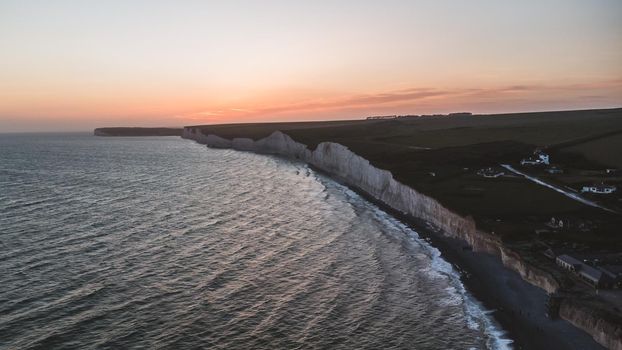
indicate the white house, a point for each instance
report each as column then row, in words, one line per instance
column 538, row 158
column 600, row 189
column 543, row 157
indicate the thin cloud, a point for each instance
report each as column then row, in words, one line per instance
column 355, row 101
column 392, row 98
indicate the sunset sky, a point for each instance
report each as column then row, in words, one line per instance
column 76, row 65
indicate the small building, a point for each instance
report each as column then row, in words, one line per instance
column 590, row 275
column 490, row 173
column 599, row 189
column 554, row 170
column 568, row 262
column 554, row 223
column 595, row 277
column 543, row 157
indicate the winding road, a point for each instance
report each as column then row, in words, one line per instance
column 568, row 194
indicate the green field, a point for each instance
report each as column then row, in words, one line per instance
column 606, row 151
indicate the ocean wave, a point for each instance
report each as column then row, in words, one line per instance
column 478, row 317
column 169, row 245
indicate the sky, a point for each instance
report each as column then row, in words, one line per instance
column 76, row 65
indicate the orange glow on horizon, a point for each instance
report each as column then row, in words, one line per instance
column 413, row 101
column 73, row 66
column 191, row 109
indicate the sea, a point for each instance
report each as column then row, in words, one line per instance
column 162, row 243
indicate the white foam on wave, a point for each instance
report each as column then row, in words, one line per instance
column 478, row 318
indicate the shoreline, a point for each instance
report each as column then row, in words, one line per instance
column 499, row 290
column 517, row 297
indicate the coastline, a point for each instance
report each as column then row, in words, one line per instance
column 514, row 294
column 518, row 306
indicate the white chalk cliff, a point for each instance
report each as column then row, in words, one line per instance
column 355, row 171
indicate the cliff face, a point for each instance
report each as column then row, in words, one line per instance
column 355, row 171
column 606, row 333
column 537, row 277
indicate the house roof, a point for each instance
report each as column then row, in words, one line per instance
column 612, row 270
column 569, row 260
column 590, row 273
